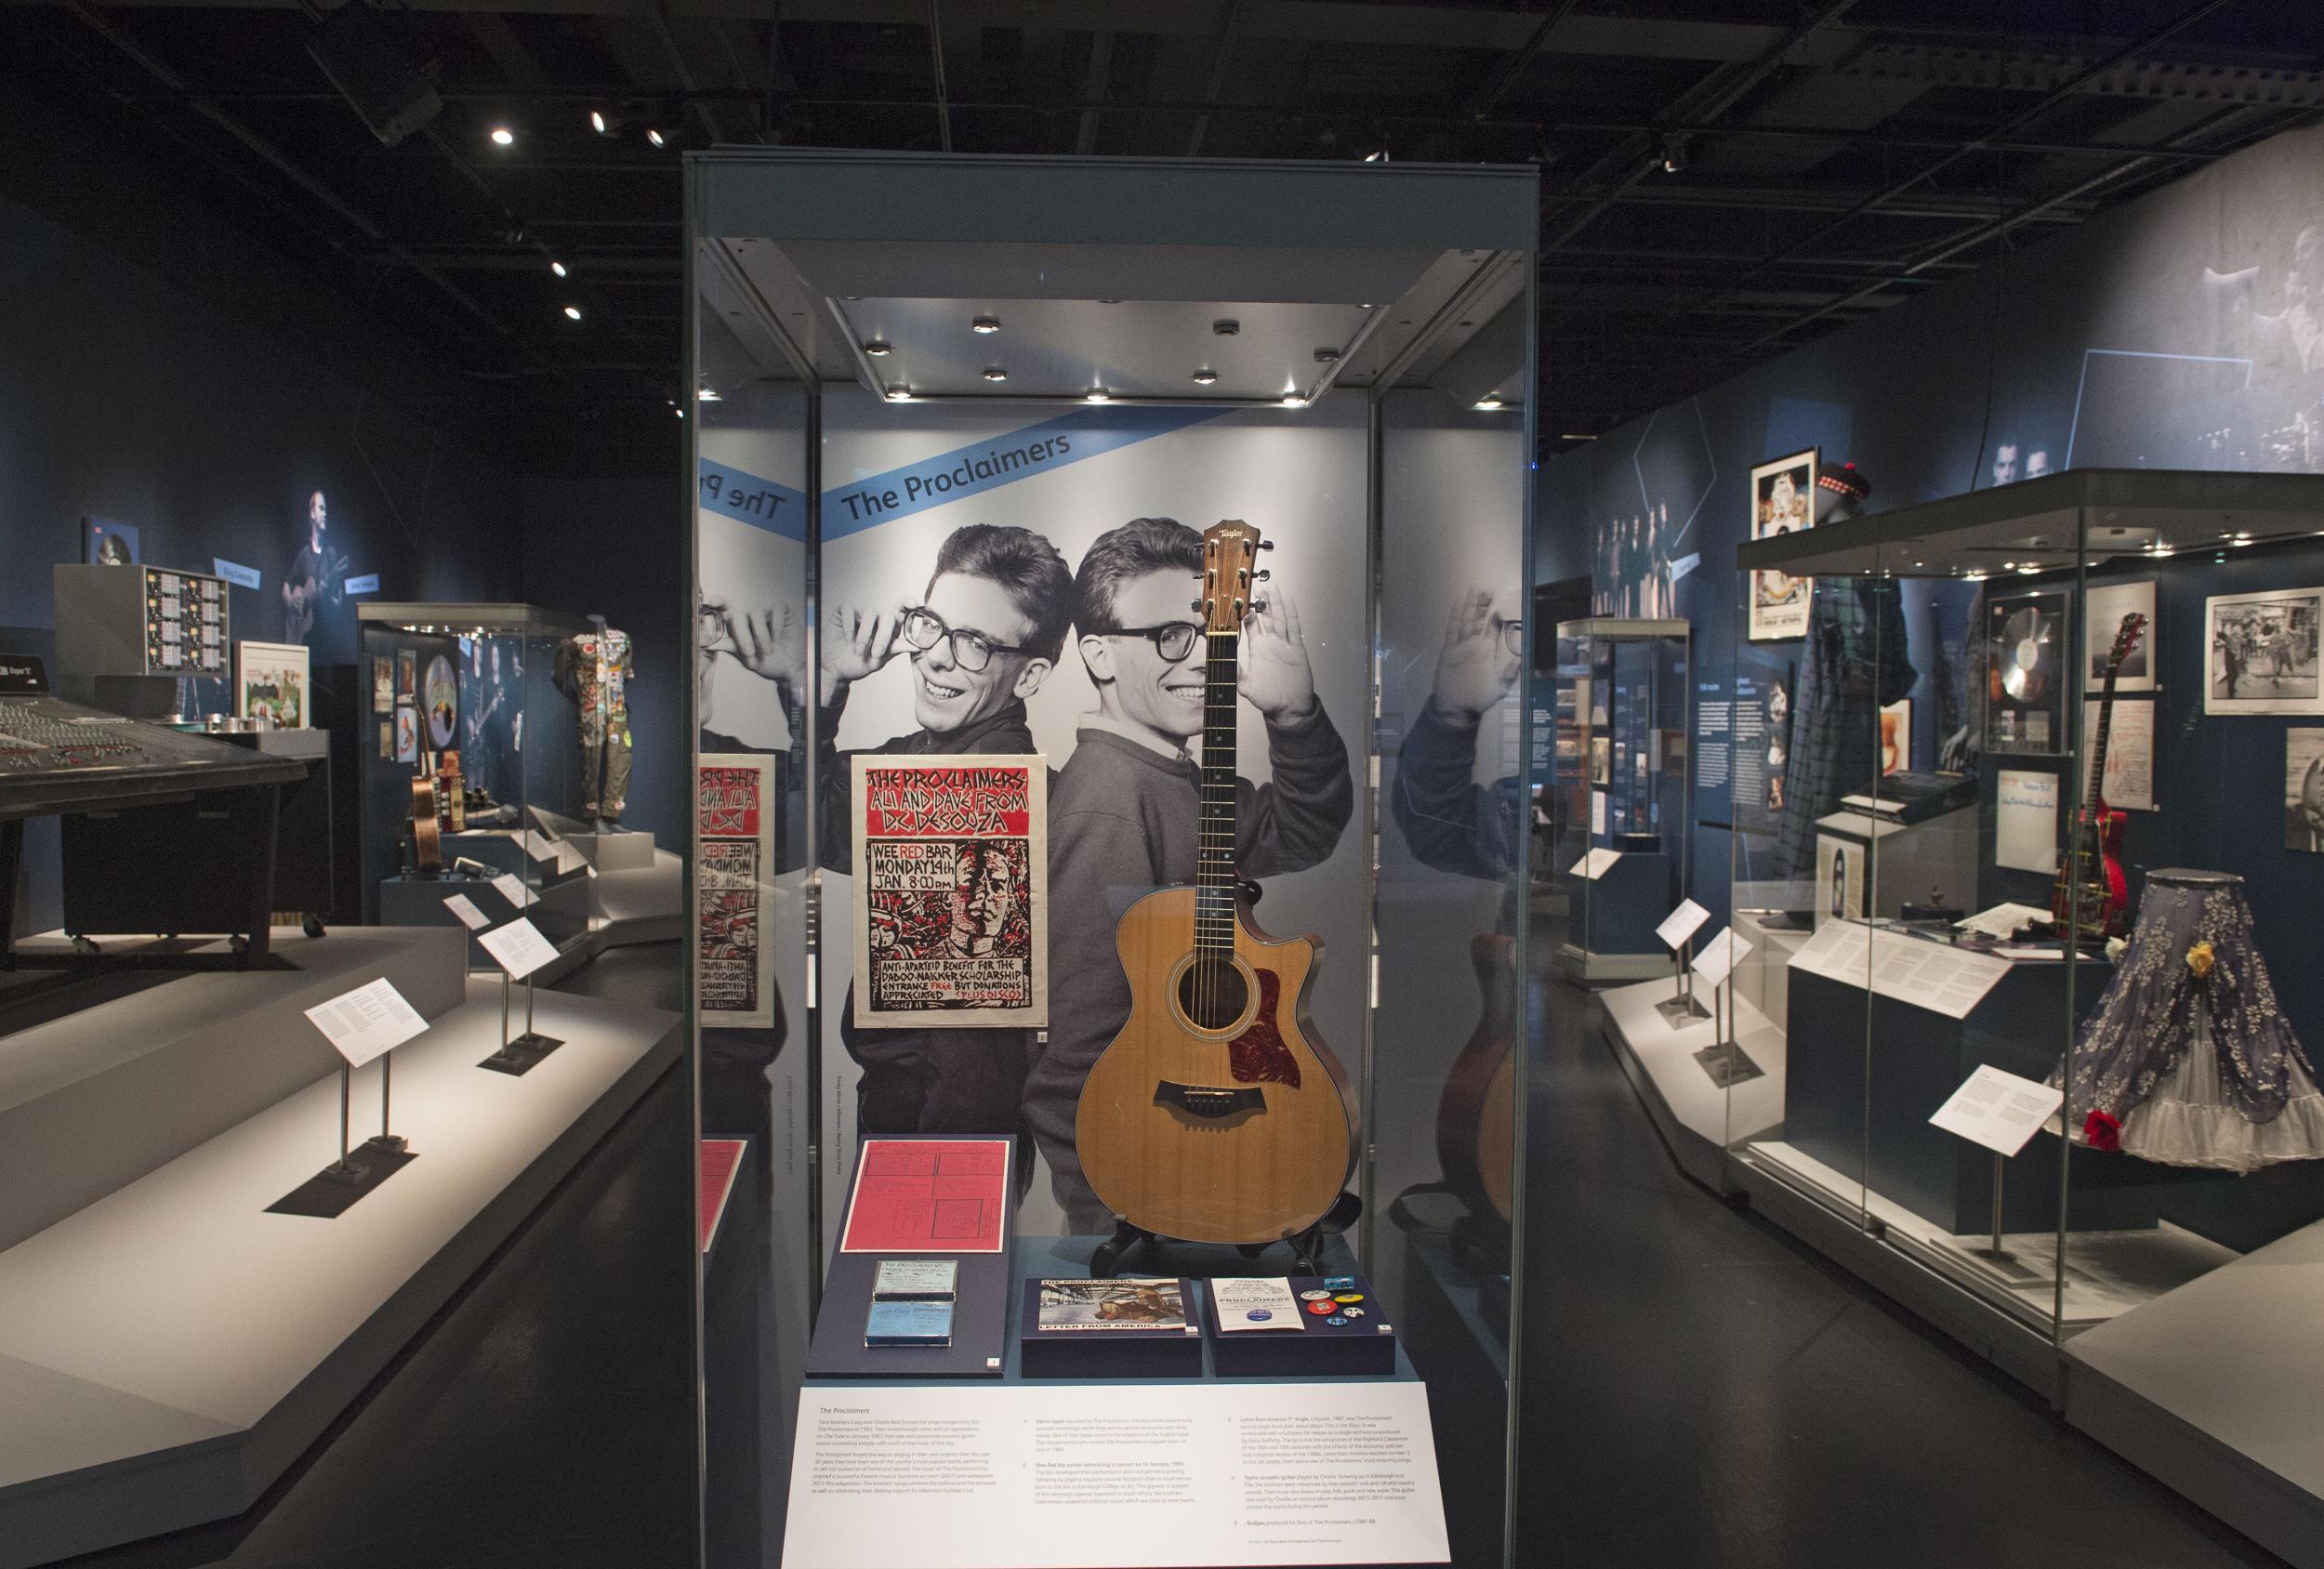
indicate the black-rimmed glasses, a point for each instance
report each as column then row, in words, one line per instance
column 1512, row 634
column 1173, row 639
column 923, row 628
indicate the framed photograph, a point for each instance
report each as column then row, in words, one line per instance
column 406, row 675
column 2303, row 790
column 2102, row 618
column 406, row 733
column 1783, row 501
column 387, row 740
column 1600, row 760
column 2259, row 653
column 107, row 544
column 270, row 683
column 2026, row 672
column 1897, row 737
column 382, row 684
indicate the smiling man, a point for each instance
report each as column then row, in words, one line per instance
column 1122, row 819
column 986, row 634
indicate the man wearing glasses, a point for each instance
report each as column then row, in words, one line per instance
column 1122, row 818
column 987, row 632
column 1450, row 822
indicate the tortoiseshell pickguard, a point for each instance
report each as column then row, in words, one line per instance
column 1258, row 1054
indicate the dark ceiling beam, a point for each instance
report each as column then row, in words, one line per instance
column 1710, row 99
column 1496, row 86
column 281, row 164
column 936, row 59
column 1230, row 16
column 2002, row 132
column 1093, row 81
column 492, row 31
column 1843, row 136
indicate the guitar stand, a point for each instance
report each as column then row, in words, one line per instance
column 1307, row 1246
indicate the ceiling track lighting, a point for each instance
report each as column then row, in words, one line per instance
column 1205, row 378
column 656, row 136
column 880, row 348
column 558, row 267
column 573, row 312
column 986, row 325
column 994, row 373
column 1097, row 395
column 503, row 136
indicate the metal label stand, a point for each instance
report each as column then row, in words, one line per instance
column 335, row 1190
column 1680, row 1009
column 518, row 1056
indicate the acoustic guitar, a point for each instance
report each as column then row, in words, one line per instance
column 1476, row 1116
column 427, row 837
column 2093, row 897
column 1215, row 1115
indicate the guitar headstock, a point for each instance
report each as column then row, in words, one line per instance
column 2125, row 640
column 1228, row 550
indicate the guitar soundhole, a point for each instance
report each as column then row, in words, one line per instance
column 1212, row 994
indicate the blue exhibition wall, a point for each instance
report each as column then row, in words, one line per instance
column 2182, row 331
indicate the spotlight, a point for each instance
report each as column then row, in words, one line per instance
column 503, row 136
column 1673, row 154
column 656, row 136
column 899, row 394
column 558, row 267
column 1204, row 378
column 1097, row 395
column 709, row 395
column 994, row 373
column 878, row 349
column 1489, row 402
column 986, row 324
column 599, row 124
column 573, row 312
column 1293, row 400
column 1226, row 327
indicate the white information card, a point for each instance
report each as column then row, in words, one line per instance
column 1015, row 1476
column 368, row 1022
column 1594, row 865
column 518, row 948
column 1720, row 954
column 538, row 848
column 470, row 917
column 1998, row 1110
column 1932, row 975
column 1684, row 923
column 512, row 888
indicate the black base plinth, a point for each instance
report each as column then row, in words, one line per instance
column 333, row 1191
column 1727, row 1065
column 534, row 1042
column 1681, row 1011
column 520, row 1058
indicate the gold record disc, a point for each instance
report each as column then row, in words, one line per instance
column 2026, row 644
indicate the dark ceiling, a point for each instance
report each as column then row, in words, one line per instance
column 1721, row 179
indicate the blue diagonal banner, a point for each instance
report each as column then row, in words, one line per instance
column 1021, row 454
column 748, row 498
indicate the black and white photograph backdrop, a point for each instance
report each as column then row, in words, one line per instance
column 2104, row 607
column 2304, row 789
column 2261, row 653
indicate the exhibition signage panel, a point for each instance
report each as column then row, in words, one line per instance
column 1932, row 975
column 367, row 1022
column 1683, row 922
column 1037, row 1476
column 512, row 888
column 470, row 917
column 1998, row 1110
column 519, row 948
column 1595, row 864
column 1720, row 954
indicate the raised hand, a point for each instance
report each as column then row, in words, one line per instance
column 856, row 643
column 1474, row 670
column 1274, row 675
column 771, row 643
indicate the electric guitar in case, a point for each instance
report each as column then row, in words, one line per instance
column 2092, row 900
column 1215, row 1116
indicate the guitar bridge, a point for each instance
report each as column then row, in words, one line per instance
column 1207, row 1104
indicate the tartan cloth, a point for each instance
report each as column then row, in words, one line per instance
column 1853, row 664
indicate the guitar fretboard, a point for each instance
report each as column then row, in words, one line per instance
column 1215, row 875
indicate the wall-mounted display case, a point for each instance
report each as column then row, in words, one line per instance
column 2029, row 1034
column 1002, row 430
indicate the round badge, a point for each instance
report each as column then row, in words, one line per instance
column 1352, row 1313
column 1259, row 1315
column 1348, row 1297
column 1337, row 1318
column 1314, row 1296
column 1323, row 1308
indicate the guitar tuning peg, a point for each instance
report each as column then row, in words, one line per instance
column 1195, row 607
column 1266, row 544
column 1257, row 606
column 1265, row 576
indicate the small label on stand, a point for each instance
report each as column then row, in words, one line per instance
column 1720, row 956
column 512, row 888
column 518, row 948
column 1998, row 1110
column 1684, row 923
column 368, row 1022
column 538, row 848
column 470, row 917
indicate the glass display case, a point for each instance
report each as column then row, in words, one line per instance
column 1621, row 776
column 471, row 767
column 2033, row 1024
column 1157, row 525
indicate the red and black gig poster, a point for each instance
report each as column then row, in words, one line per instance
column 951, row 892
column 733, row 855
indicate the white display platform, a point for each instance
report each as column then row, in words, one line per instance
column 1688, row 1096
column 95, row 1099
column 2216, row 1387
column 2108, row 1273
column 639, row 903
column 169, row 1350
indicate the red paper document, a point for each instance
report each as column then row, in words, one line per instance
column 720, row 1157
column 929, row 1195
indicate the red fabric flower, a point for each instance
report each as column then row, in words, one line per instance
column 2102, row 1131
